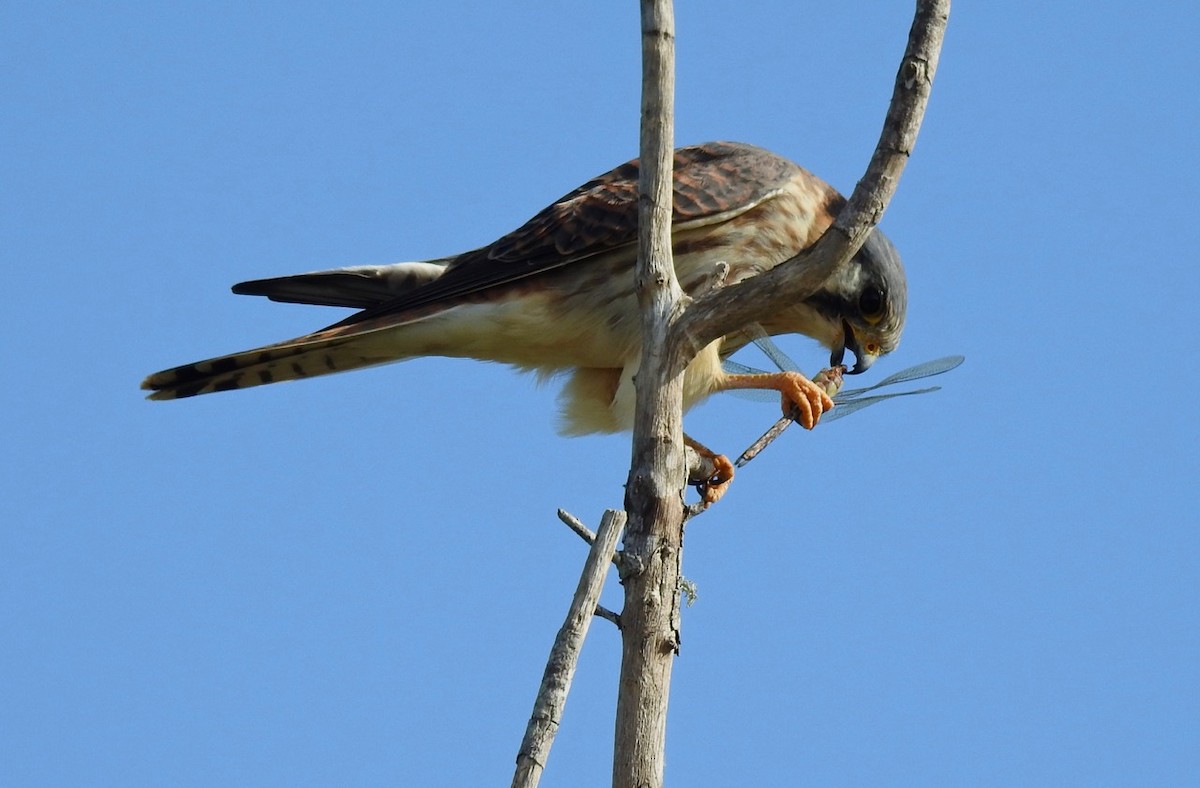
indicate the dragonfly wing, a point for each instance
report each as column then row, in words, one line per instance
column 926, row 370
column 734, row 368
column 773, row 352
column 757, row 395
column 846, row 407
column 848, row 400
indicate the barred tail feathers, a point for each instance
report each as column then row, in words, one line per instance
column 271, row 364
column 338, row 348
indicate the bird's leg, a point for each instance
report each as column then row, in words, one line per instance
column 800, row 394
column 715, row 486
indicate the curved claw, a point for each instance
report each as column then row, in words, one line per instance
column 715, row 487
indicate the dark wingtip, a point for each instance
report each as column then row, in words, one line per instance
column 159, row 390
column 251, row 287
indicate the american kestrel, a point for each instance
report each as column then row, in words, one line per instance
column 556, row 295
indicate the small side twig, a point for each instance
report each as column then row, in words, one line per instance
column 699, row 468
column 754, row 448
column 564, row 655
column 585, row 533
column 576, row 525
column 608, row 615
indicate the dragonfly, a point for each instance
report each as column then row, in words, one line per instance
column 847, row 401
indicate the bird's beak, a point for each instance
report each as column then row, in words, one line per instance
column 862, row 361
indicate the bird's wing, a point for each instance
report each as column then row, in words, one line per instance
column 712, row 183
column 360, row 287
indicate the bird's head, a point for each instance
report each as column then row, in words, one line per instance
column 868, row 298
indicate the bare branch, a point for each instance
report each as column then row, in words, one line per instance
column 654, row 492
column 576, row 525
column 699, row 468
column 619, row 559
column 560, row 668
column 672, row 338
column 732, row 308
column 608, row 615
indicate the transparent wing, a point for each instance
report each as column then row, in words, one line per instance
column 925, row 370
column 734, row 368
column 767, row 345
column 848, row 401
column 846, row 407
column 772, row 351
column 757, row 395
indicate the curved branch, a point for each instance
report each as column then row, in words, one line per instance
column 736, row 306
column 673, row 335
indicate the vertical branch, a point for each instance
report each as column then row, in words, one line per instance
column 653, row 495
column 560, row 668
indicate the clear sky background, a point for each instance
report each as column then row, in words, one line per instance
column 355, row 580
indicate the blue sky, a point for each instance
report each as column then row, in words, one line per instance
column 356, row 579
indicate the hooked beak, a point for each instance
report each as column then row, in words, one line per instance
column 862, row 361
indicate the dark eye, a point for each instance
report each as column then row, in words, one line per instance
column 870, row 303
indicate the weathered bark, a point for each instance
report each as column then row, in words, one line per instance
column 654, row 493
column 564, row 656
column 673, row 336
column 738, row 305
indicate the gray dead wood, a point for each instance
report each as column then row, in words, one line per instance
column 732, row 308
column 673, row 335
column 564, row 656
column 654, row 492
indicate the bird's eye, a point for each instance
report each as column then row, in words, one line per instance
column 870, row 304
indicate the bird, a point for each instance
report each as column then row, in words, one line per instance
column 556, row 296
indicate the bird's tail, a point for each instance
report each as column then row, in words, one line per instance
column 351, row 344
column 304, row 357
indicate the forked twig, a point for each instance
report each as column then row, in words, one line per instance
column 564, row 655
